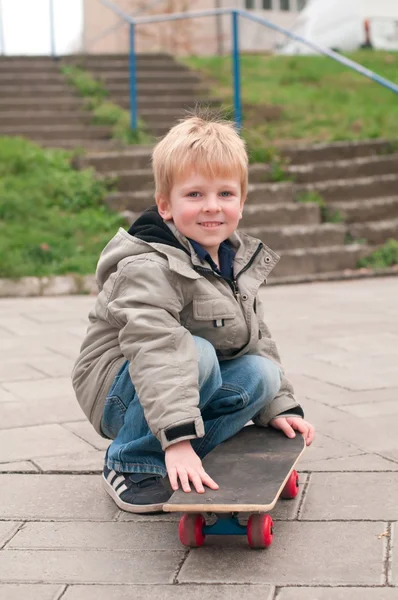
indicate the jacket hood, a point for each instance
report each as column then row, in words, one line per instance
column 149, row 228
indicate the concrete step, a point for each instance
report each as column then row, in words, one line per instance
column 147, row 66
column 57, row 132
column 311, row 261
column 354, row 189
column 300, row 236
column 89, row 145
column 166, row 77
column 45, row 118
column 183, row 88
column 364, row 211
column 36, row 90
column 304, row 154
column 280, row 214
column 345, row 169
column 133, row 158
column 375, row 233
column 67, row 103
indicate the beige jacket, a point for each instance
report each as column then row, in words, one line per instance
column 152, row 297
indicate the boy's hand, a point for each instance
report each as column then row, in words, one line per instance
column 289, row 424
column 184, row 464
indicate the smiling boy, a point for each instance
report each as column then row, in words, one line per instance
column 177, row 357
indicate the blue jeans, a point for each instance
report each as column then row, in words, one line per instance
column 232, row 392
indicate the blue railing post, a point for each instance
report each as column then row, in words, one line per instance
column 2, row 42
column 133, row 78
column 236, row 70
column 52, row 29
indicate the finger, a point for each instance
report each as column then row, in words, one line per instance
column 182, row 474
column 311, row 435
column 173, row 478
column 196, row 481
column 208, row 481
column 287, row 429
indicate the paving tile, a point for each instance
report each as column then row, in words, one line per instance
column 39, row 412
column 18, row 371
column 86, row 432
column 5, row 396
column 124, row 517
column 83, row 462
column 361, row 462
column 7, row 531
column 22, row 466
column 27, row 591
column 394, row 555
column 96, row 536
column 170, row 592
column 44, row 388
column 52, row 366
column 301, row 554
column 373, row 409
column 89, row 566
column 43, row 440
column 325, row 447
column 372, row 435
column 351, row 496
column 384, row 344
column 55, row 497
column 317, row 413
column 348, row 593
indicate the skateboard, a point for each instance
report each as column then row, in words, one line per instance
column 253, row 469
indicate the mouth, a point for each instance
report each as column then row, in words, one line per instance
column 211, row 224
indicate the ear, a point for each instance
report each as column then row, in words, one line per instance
column 241, row 207
column 164, row 207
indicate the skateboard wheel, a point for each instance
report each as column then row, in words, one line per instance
column 190, row 530
column 292, row 486
column 260, row 531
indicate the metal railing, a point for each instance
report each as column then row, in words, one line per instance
column 235, row 14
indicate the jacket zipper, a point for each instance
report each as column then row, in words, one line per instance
column 232, row 282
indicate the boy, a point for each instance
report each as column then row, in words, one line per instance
column 177, row 357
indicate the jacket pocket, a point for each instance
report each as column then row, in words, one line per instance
column 208, row 308
column 213, row 319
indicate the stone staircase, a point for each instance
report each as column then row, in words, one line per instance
column 360, row 180
column 36, row 101
column 165, row 88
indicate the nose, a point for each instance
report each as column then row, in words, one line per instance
column 212, row 204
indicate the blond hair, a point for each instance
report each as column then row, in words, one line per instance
column 211, row 147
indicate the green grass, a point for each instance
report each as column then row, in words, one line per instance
column 327, row 214
column 384, row 256
column 308, row 98
column 105, row 112
column 52, row 217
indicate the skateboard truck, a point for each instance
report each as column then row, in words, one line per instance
column 192, row 529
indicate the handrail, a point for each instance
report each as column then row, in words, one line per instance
column 235, row 13
column 2, row 41
column 122, row 21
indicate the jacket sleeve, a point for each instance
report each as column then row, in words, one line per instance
column 284, row 404
column 145, row 304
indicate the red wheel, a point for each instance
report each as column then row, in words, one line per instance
column 190, row 530
column 260, row 532
column 292, row 486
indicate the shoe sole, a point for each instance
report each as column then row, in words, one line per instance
column 133, row 508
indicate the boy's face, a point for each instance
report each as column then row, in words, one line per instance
column 207, row 210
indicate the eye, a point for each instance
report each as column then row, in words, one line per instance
column 193, row 194
column 226, row 194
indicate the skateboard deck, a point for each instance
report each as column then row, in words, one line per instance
column 251, row 469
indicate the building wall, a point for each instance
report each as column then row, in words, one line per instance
column 105, row 33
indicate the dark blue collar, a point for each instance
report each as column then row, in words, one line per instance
column 226, row 255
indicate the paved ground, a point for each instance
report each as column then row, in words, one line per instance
column 61, row 536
